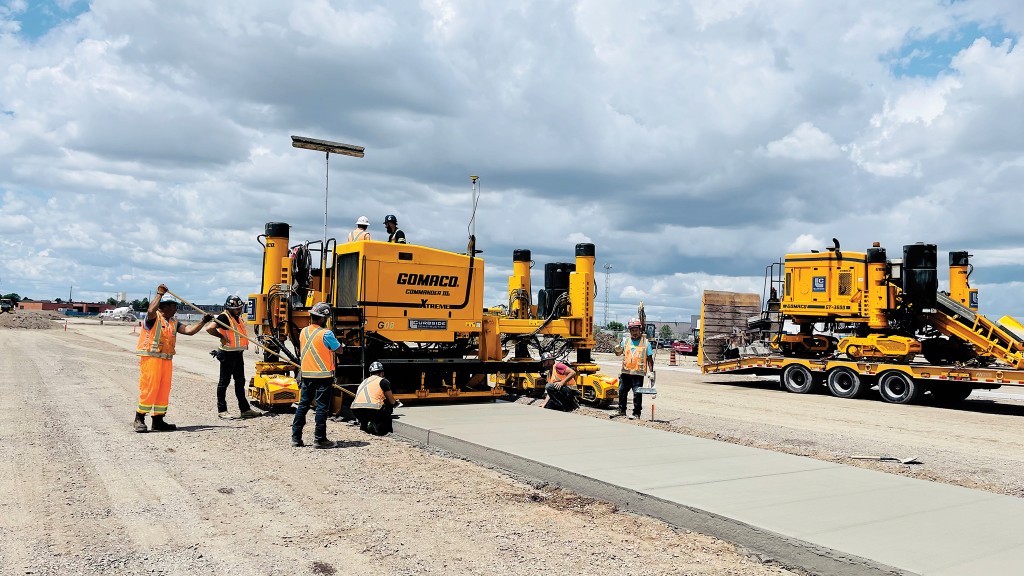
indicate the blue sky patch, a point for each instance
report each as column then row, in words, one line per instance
column 41, row 16
column 931, row 55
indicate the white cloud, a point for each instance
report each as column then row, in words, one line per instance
column 693, row 144
column 805, row 142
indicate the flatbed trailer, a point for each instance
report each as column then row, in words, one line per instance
column 725, row 315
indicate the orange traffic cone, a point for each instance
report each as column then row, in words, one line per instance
column 672, row 357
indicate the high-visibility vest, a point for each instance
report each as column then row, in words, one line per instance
column 553, row 377
column 369, row 394
column 358, row 234
column 317, row 358
column 634, row 358
column 235, row 341
column 158, row 340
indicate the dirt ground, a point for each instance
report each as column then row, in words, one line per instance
column 84, row 494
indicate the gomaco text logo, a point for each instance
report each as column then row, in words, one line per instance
column 428, row 280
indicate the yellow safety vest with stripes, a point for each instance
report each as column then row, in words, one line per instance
column 317, row 358
column 158, row 340
column 358, row 234
column 634, row 358
column 235, row 340
column 369, row 395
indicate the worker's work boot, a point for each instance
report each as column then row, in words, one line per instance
column 297, row 443
column 633, row 416
column 325, row 443
column 160, row 426
column 250, row 413
column 140, row 423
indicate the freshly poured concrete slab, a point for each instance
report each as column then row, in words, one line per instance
column 824, row 517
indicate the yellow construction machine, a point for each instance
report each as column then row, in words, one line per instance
column 868, row 307
column 420, row 312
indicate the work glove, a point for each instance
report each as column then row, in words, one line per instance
column 207, row 317
column 651, row 377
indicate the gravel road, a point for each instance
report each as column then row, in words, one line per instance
column 83, row 494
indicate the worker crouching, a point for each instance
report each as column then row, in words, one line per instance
column 561, row 385
column 374, row 403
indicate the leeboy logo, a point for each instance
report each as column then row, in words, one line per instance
column 428, row 280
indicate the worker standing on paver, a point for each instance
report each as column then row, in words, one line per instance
column 230, row 329
column 360, row 233
column 317, row 345
column 637, row 361
column 156, row 349
column 374, row 403
column 395, row 234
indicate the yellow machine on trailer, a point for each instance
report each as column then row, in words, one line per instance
column 420, row 312
column 862, row 320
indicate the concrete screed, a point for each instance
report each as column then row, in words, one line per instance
column 824, row 517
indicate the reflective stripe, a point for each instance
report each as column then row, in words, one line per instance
column 235, row 342
column 634, row 358
column 369, row 395
column 317, row 358
column 358, row 234
column 158, row 341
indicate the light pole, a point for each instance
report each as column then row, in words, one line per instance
column 328, row 148
column 607, row 275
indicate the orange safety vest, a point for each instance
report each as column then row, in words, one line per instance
column 634, row 358
column 358, row 234
column 553, row 377
column 317, row 358
column 158, row 341
column 369, row 395
column 235, row 341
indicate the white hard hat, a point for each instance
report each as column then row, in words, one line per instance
column 363, row 221
column 634, row 323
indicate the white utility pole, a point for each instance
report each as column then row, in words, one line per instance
column 607, row 275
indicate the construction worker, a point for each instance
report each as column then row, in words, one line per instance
column 317, row 345
column 360, row 233
column 374, row 403
column 230, row 329
column 637, row 361
column 155, row 350
column 561, row 385
column 394, row 234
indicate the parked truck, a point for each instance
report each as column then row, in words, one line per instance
column 853, row 321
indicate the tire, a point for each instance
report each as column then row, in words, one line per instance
column 899, row 388
column 950, row 393
column 846, row 383
column 798, row 379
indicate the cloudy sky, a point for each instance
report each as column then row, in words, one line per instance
column 693, row 142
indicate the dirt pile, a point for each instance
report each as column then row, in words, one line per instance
column 604, row 342
column 30, row 320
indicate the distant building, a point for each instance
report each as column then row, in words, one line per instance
column 86, row 308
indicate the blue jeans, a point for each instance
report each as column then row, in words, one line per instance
column 318, row 389
column 629, row 382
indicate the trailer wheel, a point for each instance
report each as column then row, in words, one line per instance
column 899, row 388
column 798, row 379
column 844, row 382
column 951, row 393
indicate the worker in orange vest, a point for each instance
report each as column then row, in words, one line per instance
column 360, row 232
column 561, row 386
column 374, row 402
column 317, row 347
column 638, row 360
column 229, row 328
column 156, row 349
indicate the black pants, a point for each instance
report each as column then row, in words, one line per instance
column 318, row 389
column 231, row 366
column 629, row 382
column 376, row 422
